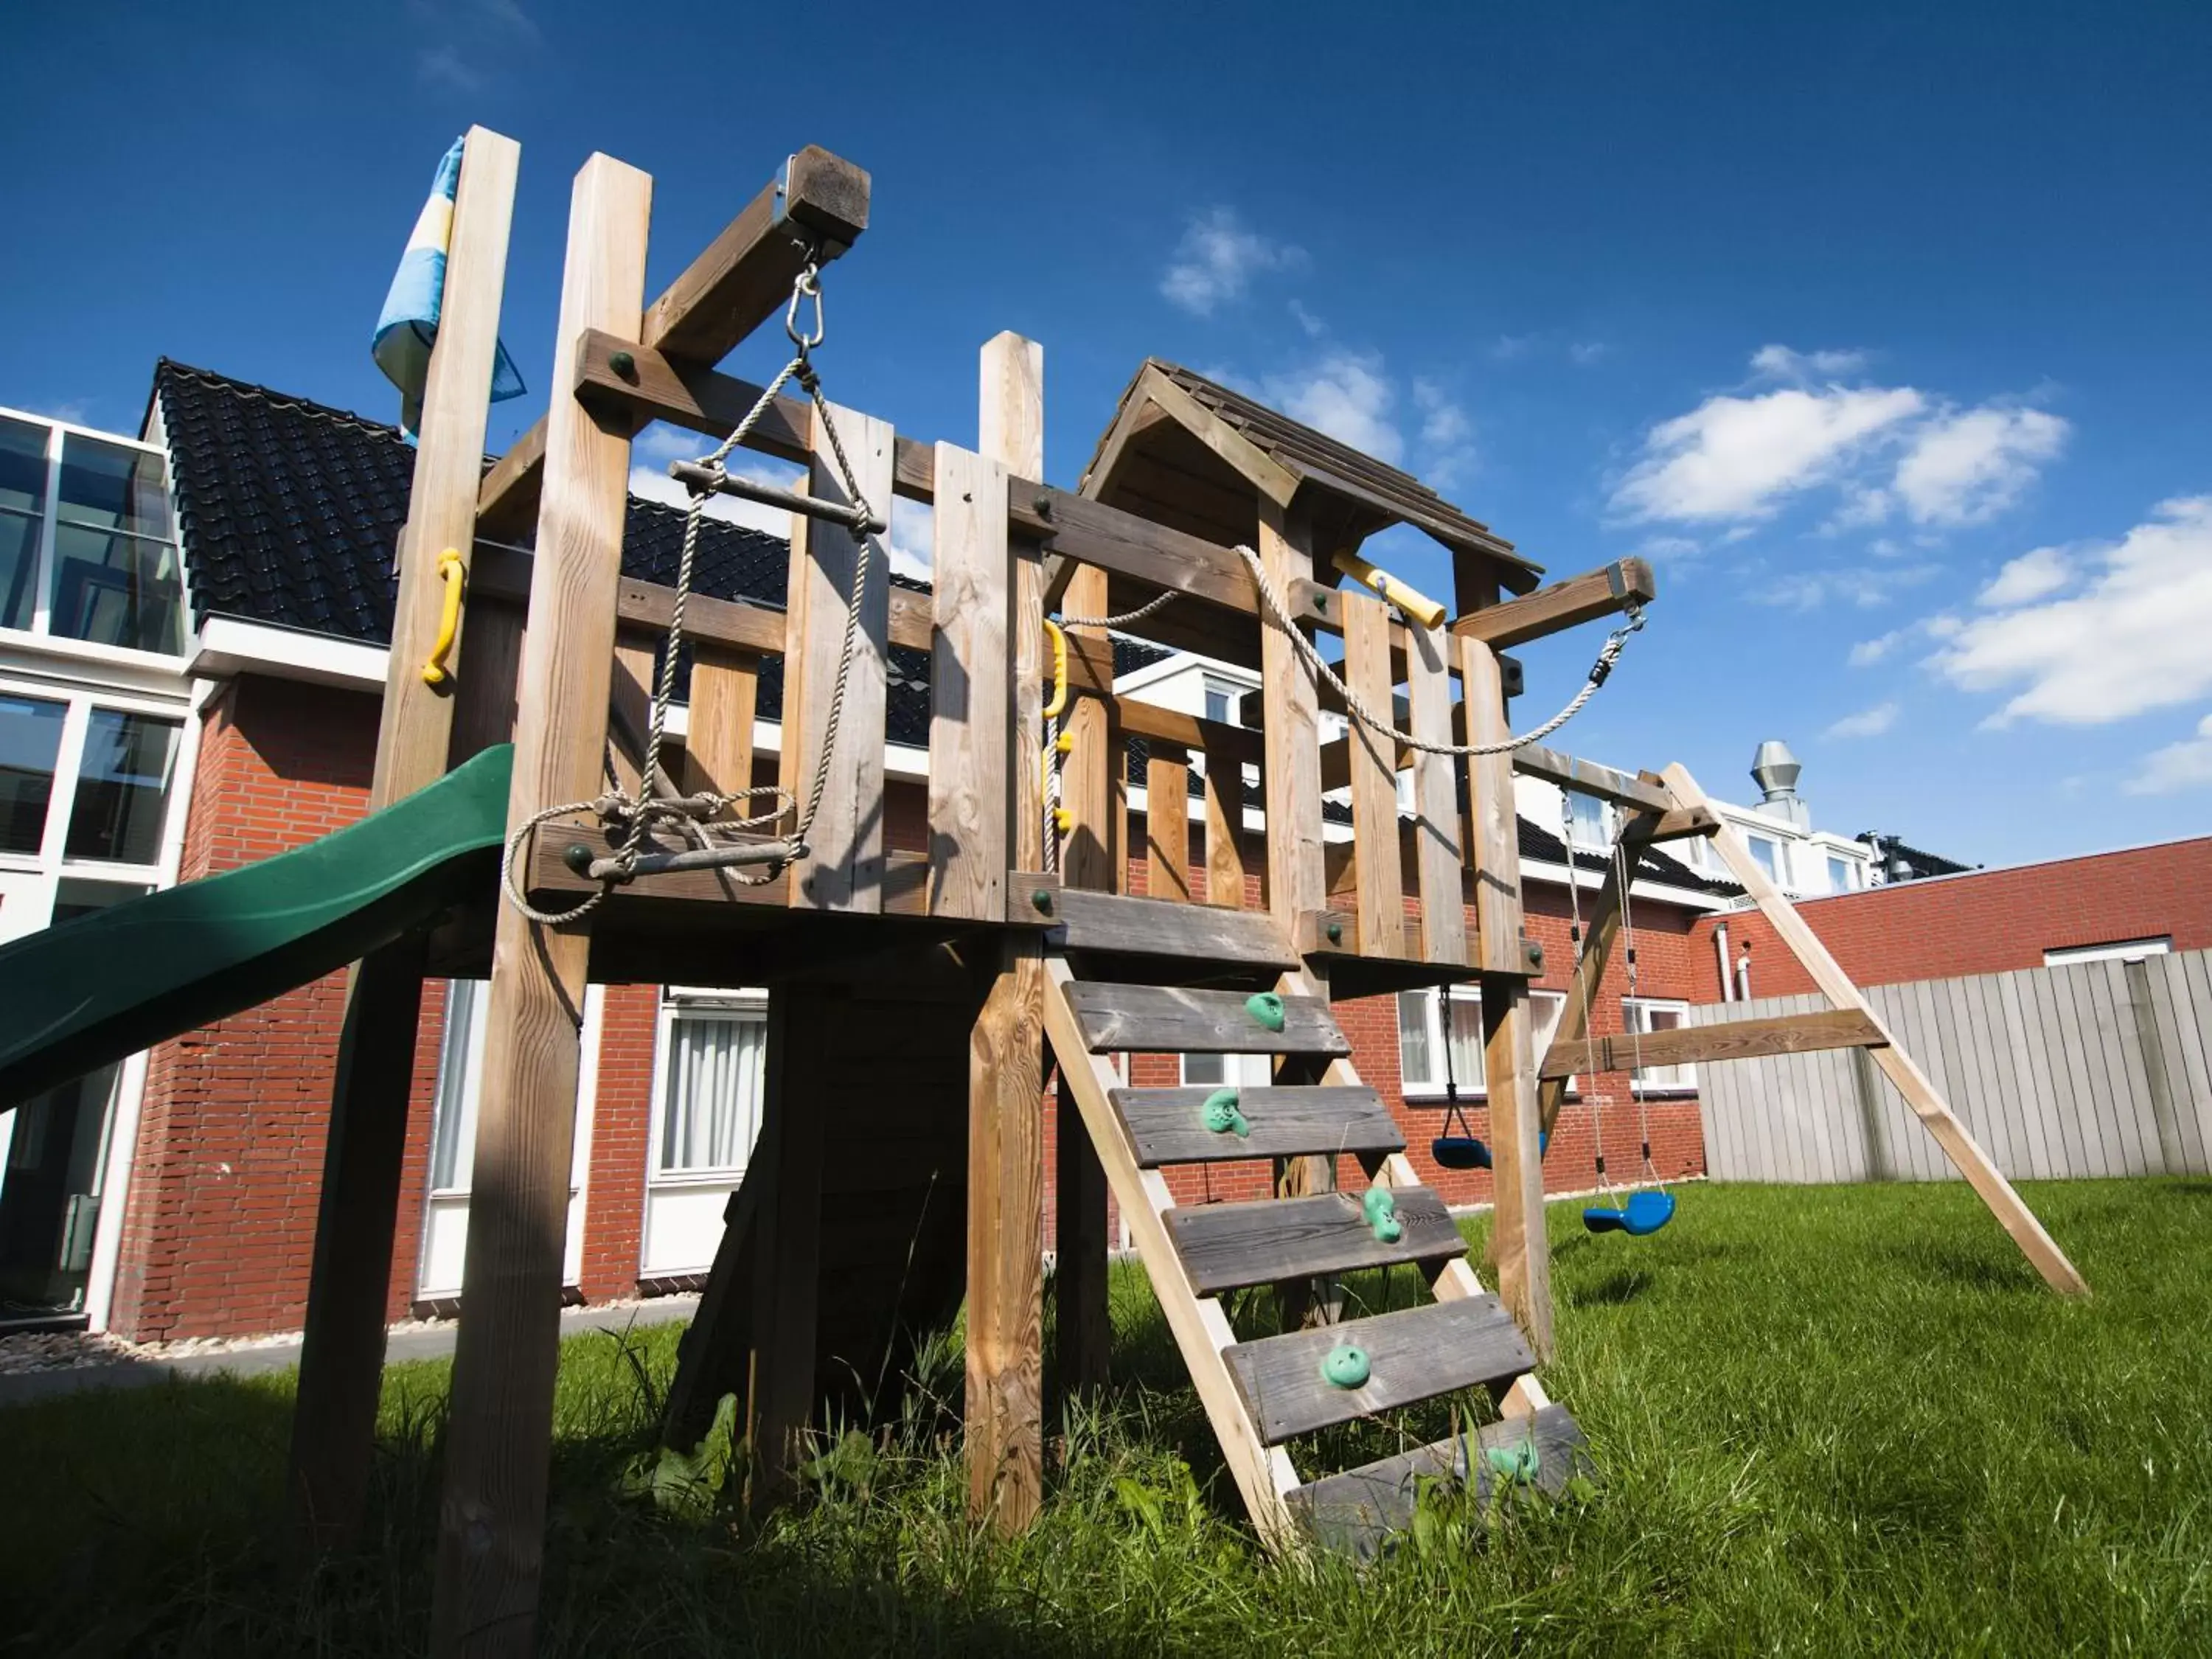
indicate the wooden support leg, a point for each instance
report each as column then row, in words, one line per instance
column 1302, row 1304
column 787, row 1254
column 499, row 1440
column 1085, row 1335
column 1006, row 1226
column 341, row 1358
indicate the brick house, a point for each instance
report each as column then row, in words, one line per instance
column 280, row 540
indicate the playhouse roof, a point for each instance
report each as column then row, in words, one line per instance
column 1192, row 452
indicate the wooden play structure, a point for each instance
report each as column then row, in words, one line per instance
column 918, row 999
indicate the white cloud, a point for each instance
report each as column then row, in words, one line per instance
column 1867, row 653
column 1347, row 395
column 2179, row 766
column 1217, row 259
column 1668, row 547
column 444, row 67
column 1313, row 326
column 1448, row 451
column 2034, row 575
column 1784, row 364
column 1739, row 456
column 2132, row 639
column 1866, row 723
column 464, row 32
column 1861, row 585
column 912, row 522
column 914, row 527
column 1966, row 468
column 1509, row 347
column 1586, row 352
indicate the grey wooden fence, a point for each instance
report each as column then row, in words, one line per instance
column 2095, row 1068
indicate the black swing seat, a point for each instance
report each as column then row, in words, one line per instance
column 1466, row 1152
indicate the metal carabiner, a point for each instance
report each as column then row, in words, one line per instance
column 808, row 286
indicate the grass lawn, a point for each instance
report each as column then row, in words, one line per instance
column 1826, row 1420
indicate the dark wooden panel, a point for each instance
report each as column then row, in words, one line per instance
column 1416, row 1353
column 1166, row 1019
column 1225, row 1247
column 1143, row 927
column 1168, row 1124
column 1356, row 1512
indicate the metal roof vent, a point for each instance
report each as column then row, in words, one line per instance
column 1775, row 770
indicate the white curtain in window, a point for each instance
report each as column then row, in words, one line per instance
column 711, row 1110
column 460, row 1071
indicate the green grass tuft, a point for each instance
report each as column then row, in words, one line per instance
column 1846, row 1421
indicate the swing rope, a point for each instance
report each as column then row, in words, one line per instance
column 1582, row 981
column 1630, row 1019
column 689, row 813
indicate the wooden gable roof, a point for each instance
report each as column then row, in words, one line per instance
column 1189, row 452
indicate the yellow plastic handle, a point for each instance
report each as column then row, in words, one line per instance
column 1058, row 706
column 449, row 619
column 1415, row 604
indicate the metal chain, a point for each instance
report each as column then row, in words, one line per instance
column 690, row 813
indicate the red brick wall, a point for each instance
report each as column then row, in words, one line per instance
column 621, row 1124
column 1988, row 922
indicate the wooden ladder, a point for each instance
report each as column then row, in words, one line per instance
column 1259, row 1393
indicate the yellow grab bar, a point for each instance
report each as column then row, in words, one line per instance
column 449, row 619
column 1415, row 604
column 1058, row 706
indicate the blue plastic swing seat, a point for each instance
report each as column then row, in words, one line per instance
column 1466, row 1152
column 1645, row 1213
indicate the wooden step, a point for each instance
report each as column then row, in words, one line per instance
column 1225, row 1246
column 1168, row 1125
column 1416, row 1353
column 1118, row 925
column 1165, row 1019
column 1357, row 1512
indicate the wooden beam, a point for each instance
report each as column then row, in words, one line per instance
column 972, row 567
column 743, row 278
column 1297, row 879
column 1588, row 778
column 1275, row 482
column 787, row 1239
column 1438, row 857
column 498, row 1442
column 1732, row 1039
column 1225, row 826
column 1920, row 1094
column 843, row 868
column 1563, row 605
column 1006, row 1132
column 1601, row 927
column 717, row 746
column 1684, row 821
column 342, row 1353
column 1521, row 1248
column 1374, row 758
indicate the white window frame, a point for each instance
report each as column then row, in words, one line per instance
column 1779, row 874
column 1233, row 693
column 1237, row 1071
column 734, row 1006
column 2118, row 950
column 1604, row 840
column 1550, row 1006
column 1658, row 1081
column 1848, row 867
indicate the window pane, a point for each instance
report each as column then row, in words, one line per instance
column 73, row 899
column 23, row 466
column 115, row 589
column 30, row 738
column 1413, row 1036
column 19, row 567
column 710, row 1108
column 122, row 789
column 1840, row 875
column 1204, row 1069
column 1590, row 828
column 460, row 1069
column 113, row 488
column 1763, row 851
column 1467, row 1066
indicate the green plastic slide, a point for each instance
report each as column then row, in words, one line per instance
column 76, row 997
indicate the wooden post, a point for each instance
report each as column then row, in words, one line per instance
column 1225, row 828
column 1298, row 882
column 718, row 748
column 1520, row 1249
column 342, row 1354
column 1920, row 1094
column 1091, row 857
column 492, row 1522
column 843, row 869
column 1438, row 855
column 1006, row 1065
column 1374, row 764
column 1167, row 822
column 971, row 679
column 787, row 1240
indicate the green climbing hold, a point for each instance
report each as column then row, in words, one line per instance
column 1381, row 1210
column 1345, row 1367
column 1265, row 1008
column 1516, row 1463
column 1222, row 1116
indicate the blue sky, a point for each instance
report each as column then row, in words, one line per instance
column 1880, row 329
